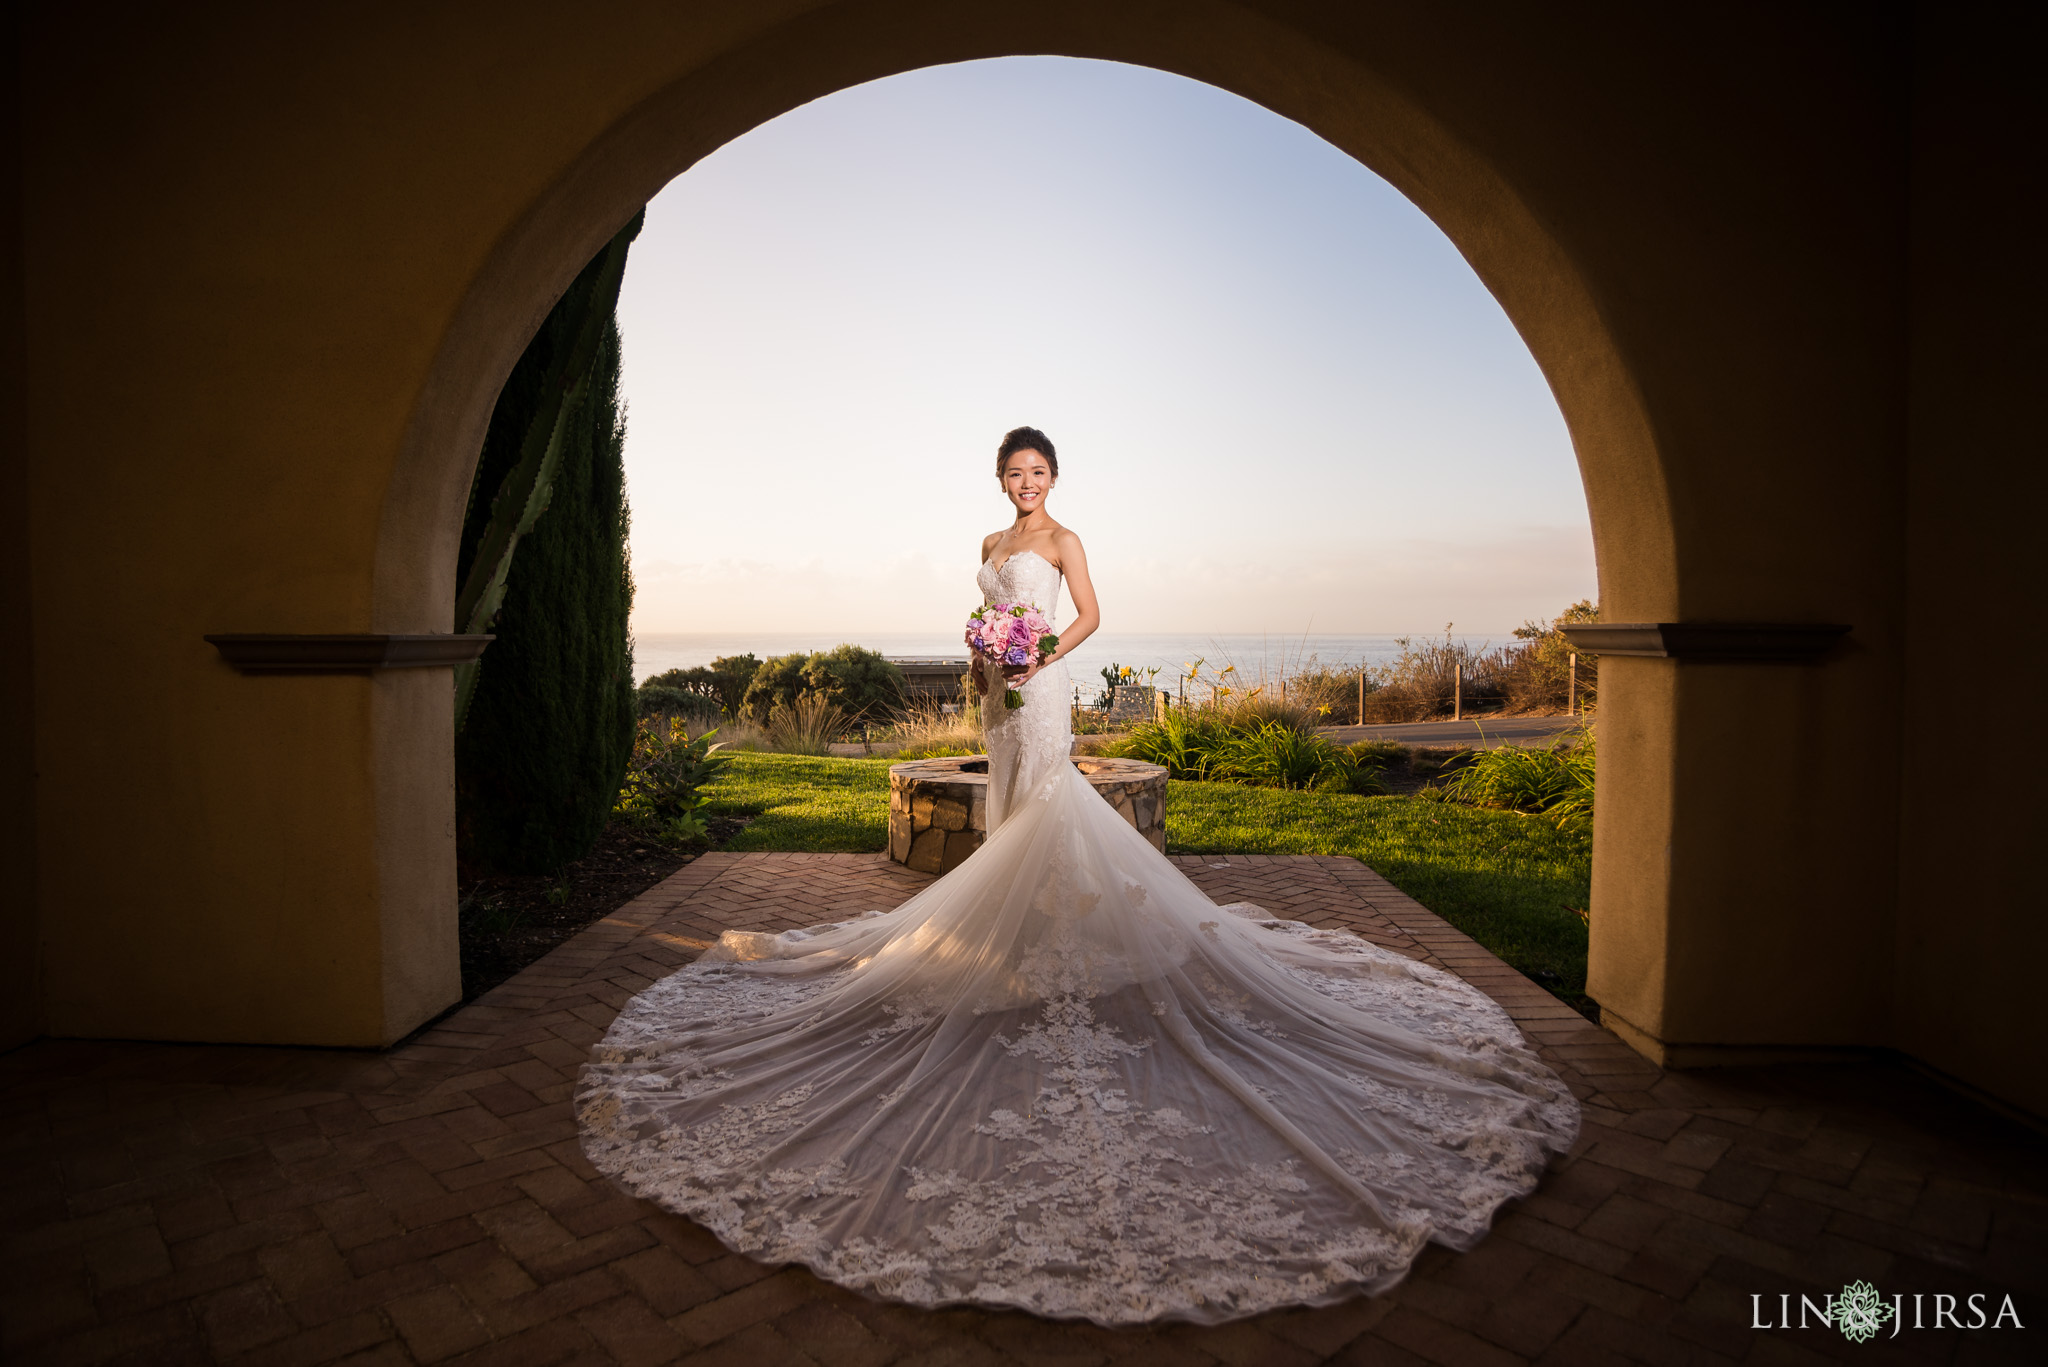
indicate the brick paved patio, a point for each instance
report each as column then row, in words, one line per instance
column 172, row 1204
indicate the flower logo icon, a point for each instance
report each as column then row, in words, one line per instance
column 1860, row 1312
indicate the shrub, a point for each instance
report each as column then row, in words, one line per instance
column 859, row 681
column 1530, row 675
column 1328, row 693
column 1540, row 672
column 1265, row 745
column 923, row 731
column 779, row 682
column 1421, row 684
column 1424, row 681
column 1308, row 693
column 663, row 778
column 662, row 700
column 1555, row 780
column 724, row 681
column 932, row 750
column 1366, row 780
column 1380, row 754
column 1262, row 706
column 1574, row 809
column 1271, row 754
column 807, row 726
column 1370, row 760
column 742, row 734
column 1184, row 740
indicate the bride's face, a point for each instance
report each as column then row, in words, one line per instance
column 1027, row 479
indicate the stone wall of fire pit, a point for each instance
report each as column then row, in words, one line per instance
column 938, row 808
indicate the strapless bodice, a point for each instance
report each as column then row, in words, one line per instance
column 1025, row 577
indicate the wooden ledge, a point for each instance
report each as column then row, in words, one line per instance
column 1779, row 642
column 258, row 653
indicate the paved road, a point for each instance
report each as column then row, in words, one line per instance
column 1476, row 732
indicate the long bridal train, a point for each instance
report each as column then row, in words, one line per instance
column 1061, row 1079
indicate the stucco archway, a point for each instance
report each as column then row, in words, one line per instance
column 1695, row 231
column 1283, row 69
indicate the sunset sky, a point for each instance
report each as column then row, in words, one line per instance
column 1281, row 398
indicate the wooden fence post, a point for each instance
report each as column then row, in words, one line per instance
column 1571, row 688
column 1361, row 696
column 1458, row 691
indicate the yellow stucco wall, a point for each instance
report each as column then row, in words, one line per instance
column 275, row 268
column 20, row 954
column 1973, row 916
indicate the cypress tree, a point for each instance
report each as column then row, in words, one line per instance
column 549, row 729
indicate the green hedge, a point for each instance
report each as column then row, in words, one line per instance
column 544, row 746
column 859, row 680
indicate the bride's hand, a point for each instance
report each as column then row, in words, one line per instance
column 1023, row 675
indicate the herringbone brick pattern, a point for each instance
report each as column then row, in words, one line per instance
column 170, row 1204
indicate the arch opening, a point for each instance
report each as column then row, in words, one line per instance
column 1525, row 269
column 1286, row 405
column 306, row 333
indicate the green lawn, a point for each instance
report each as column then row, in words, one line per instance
column 802, row 803
column 1508, row 881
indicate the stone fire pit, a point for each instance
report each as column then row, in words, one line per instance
column 938, row 808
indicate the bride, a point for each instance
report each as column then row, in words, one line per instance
column 1060, row 1079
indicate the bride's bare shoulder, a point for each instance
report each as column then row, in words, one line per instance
column 988, row 543
column 1067, row 542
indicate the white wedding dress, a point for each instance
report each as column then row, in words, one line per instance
column 1060, row 1079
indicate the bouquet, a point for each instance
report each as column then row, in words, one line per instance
column 1011, row 635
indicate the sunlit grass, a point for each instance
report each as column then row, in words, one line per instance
column 804, row 802
column 1508, row 881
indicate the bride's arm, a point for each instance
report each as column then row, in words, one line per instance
column 1087, row 617
column 1074, row 566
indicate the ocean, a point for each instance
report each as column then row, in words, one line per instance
column 1253, row 654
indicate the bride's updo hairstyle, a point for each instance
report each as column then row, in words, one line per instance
column 1027, row 439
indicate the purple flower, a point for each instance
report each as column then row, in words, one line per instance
column 1017, row 655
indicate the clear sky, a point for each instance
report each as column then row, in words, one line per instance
column 1282, row 400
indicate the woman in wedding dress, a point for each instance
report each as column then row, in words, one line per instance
column 1060, row 1079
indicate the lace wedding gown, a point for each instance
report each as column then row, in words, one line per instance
column 1061, row 1079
